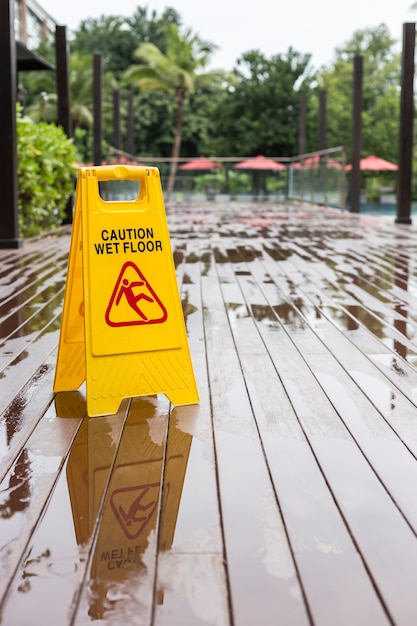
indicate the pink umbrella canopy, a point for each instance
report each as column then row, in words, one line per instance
column 373, row 163
column 261, row 163
column 201, row 163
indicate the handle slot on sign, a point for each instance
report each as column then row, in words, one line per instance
column 120, row 190
column 120, row 184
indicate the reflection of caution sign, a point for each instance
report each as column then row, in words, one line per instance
column 133, row 300
column 122, row 327
column 134, row 507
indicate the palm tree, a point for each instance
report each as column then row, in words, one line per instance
column 178, row 70
column 44, row 102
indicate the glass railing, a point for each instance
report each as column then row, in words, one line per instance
column 317, row 177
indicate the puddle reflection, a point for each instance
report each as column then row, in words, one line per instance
column 289, row 315
column 126, row 464
column 18, row 414
column 122, row 571
column 263, row 313
column 401, row 270
column 15, row 497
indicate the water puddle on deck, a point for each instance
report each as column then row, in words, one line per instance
column 124, row 463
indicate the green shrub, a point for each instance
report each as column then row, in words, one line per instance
column 372, row 187
column 46, row 175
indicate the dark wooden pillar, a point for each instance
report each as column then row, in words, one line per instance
column 322, row 120
column 323, row 145
column 130, row 126
column 64, row 96
column 405, row 151
column 303, row 124
column 302, row 139
column 9, row 225
column 97, row 108
column 355, row 174
column 62, row 80
column 116, row 119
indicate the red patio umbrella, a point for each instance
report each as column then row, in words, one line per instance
column 314, row 161
column 373, row 163
column 201, row 163
column 261, row 163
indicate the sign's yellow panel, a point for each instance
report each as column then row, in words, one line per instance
column 123, row 308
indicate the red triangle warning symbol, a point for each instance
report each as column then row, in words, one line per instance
column 134, row 507
column 133, row 301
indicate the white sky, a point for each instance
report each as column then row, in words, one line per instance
column 271, row 26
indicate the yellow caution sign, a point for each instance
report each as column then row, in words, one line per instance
column 122, row 328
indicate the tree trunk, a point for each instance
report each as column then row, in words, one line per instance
column 176, row 147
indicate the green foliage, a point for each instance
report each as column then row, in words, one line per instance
column 381, row 81
column 259, row 113
column 154, row 123
column 46, row 169
column 179, row 71
column 118, row 37
column 372, row 187
column 181, row 108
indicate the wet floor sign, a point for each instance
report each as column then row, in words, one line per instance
column 122, row 327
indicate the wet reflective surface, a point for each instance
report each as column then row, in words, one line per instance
column 296, row 474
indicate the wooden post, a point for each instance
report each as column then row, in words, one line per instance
column 9, row 224
column 130, row 126
column 116, row 119
column 355, row 174
column 405, row 151
column 97, row 108
column 62, row 80
column 323, row 145
column 64, row 97
column 322, row 120
column 302, row 138
column 302, row 129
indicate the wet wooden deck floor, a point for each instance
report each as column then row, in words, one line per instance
column 287, row 496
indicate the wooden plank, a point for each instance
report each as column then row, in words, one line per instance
column 179, row 601
column 361, row 365
column 40, row 290
column 316, row 530
column 20, row 269
column 191, row 579
column 26, row 487
column 253, row 528
column 21, row 416
column 54, row 559
column 359, row 353
column 28, row 361
column 350, row 486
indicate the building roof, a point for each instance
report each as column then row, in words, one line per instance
column 27, row 60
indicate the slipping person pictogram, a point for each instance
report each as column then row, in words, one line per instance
column 127, row 290
column 134, row 507
column 133, row 300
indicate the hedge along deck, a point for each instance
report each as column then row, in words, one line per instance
column 287, row 495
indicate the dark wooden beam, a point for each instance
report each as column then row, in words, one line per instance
column 64, row 97
column 355, row 174
column 97, row 108
column 303, row 124
column 130, row 125
column 405, row 151
column 322, row 120
column 116, row 119
column 62, row 80
column 9, row 224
